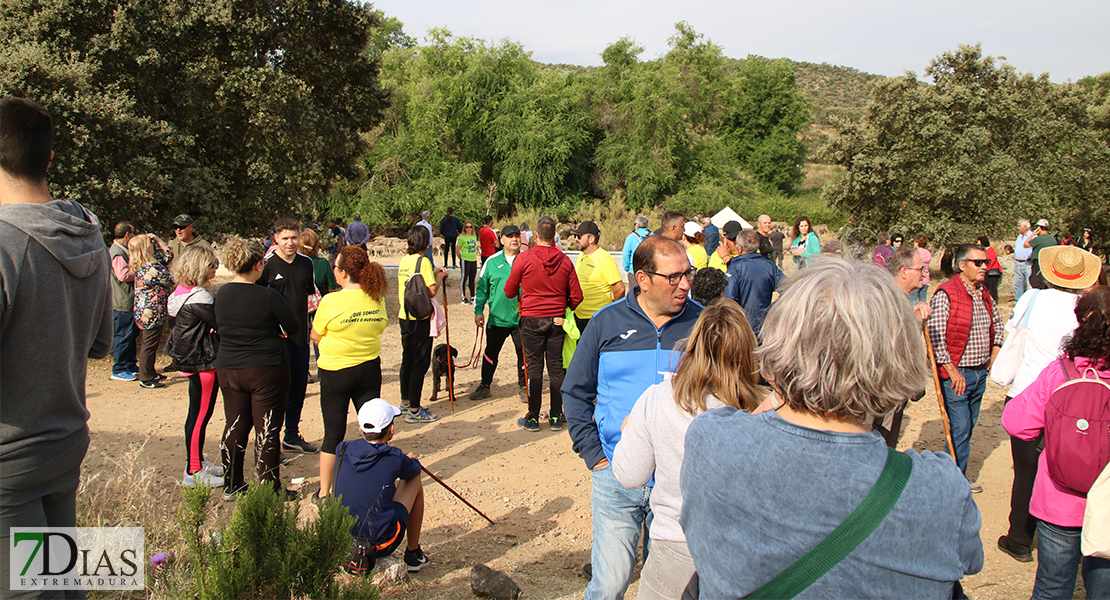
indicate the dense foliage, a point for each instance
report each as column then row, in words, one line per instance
column 468, row 117
column 980, row 147
column 231, row 110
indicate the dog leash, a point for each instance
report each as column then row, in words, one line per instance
column 476, row 354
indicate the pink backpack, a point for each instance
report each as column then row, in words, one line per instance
column 1077, row 429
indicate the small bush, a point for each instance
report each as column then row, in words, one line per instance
column 261, row 553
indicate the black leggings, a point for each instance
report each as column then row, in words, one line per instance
column 495, row 339
column 1025, row 453
column 449, row 250
column 359, row 384
column 416, row 357
column 470, row 270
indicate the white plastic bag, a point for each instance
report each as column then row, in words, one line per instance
column 1009, row 358
column 1096, row 519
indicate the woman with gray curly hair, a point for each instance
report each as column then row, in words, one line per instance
column 762, row 490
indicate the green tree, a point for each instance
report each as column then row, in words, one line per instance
column 232, row 110
column 971, row 153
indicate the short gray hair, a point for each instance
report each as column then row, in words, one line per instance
column 641, row 221
column 883, row 237
column 1024, row 222
column 424, row 215
column 748, row 240
column 902, row 259
column 843, row 341
column 961, row 253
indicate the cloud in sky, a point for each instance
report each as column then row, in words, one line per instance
column 1066, row 38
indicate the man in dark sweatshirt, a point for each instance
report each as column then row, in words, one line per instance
column 55, row 314
column 548, row 285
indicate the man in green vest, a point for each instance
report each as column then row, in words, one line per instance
column 124, row 367
column 504, row 316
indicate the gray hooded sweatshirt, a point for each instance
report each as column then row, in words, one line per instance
column 55, row 314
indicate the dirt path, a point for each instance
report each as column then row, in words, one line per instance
column 532, row 484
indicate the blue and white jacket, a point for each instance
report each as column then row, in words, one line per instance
column 621, row 353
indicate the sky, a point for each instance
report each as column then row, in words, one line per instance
column 1069, row 39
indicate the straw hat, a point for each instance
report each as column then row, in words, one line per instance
column 1069, row 267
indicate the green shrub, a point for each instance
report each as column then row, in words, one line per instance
column 261, row 553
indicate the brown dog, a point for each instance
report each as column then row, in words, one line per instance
column 439, row 367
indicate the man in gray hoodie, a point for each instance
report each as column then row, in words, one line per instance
column 55, row 314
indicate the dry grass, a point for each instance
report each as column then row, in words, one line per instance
column 130, row 493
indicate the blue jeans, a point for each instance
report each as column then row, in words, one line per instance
column 919, row 295
column 431, row 257
column 619, row 516
column 1021, row 279
column 1058, row 557
column 123, row 342
column 963, row 411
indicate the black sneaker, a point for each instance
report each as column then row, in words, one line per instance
column 1018, row 551
column 292, row 496
column 152, row 384
column 588, row 571
column 481, row 392
column 529, row 423
column 556, row 423
column 415, row 560
column 299, row 443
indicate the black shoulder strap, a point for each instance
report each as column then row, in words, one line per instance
column 338, row 461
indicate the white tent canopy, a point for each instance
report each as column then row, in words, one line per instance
column 726, row 215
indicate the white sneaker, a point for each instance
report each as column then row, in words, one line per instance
column 214, row 470
column 203, row 478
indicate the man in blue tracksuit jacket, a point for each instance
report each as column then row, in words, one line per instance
column 627, row 348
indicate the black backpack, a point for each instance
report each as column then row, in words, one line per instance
column 418, row 302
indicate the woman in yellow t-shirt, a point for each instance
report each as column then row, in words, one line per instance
column 694, row 240
column 348, row 327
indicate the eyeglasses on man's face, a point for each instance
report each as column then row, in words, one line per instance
column 979, row 262
column 675, row 278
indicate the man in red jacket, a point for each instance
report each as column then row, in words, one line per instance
column 548, row 285
column 488, row 243
column 966, row 331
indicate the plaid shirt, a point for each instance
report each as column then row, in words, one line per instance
column 978, row 349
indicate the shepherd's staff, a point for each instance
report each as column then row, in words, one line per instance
column 448, row 488
column 447, row 330
column 940, row 397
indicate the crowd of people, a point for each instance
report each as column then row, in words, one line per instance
column 740, row 422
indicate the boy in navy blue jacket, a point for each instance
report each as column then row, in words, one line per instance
column 366, row 482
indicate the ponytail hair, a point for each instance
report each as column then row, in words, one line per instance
column 370, row 276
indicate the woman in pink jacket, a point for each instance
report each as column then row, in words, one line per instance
column 1059, row 511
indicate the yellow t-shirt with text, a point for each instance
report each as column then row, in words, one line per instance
column 715, row 262
column 405, row 269
column 597, row 273
column 350, row 323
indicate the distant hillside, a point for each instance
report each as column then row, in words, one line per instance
column 831, row 89
column 834, row 90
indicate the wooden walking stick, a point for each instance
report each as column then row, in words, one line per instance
column 450, row 362
column 940, row 397
column 448, row 488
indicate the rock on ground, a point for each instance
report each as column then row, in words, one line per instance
column 489, row 583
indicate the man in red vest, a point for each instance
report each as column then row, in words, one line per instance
column 966, row 331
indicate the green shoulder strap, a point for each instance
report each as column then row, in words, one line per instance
column 840, row 543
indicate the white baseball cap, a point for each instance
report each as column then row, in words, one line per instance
column 376, row 416
column 691, row 228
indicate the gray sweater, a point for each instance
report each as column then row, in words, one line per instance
column 652, row 443
column 55, row 314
